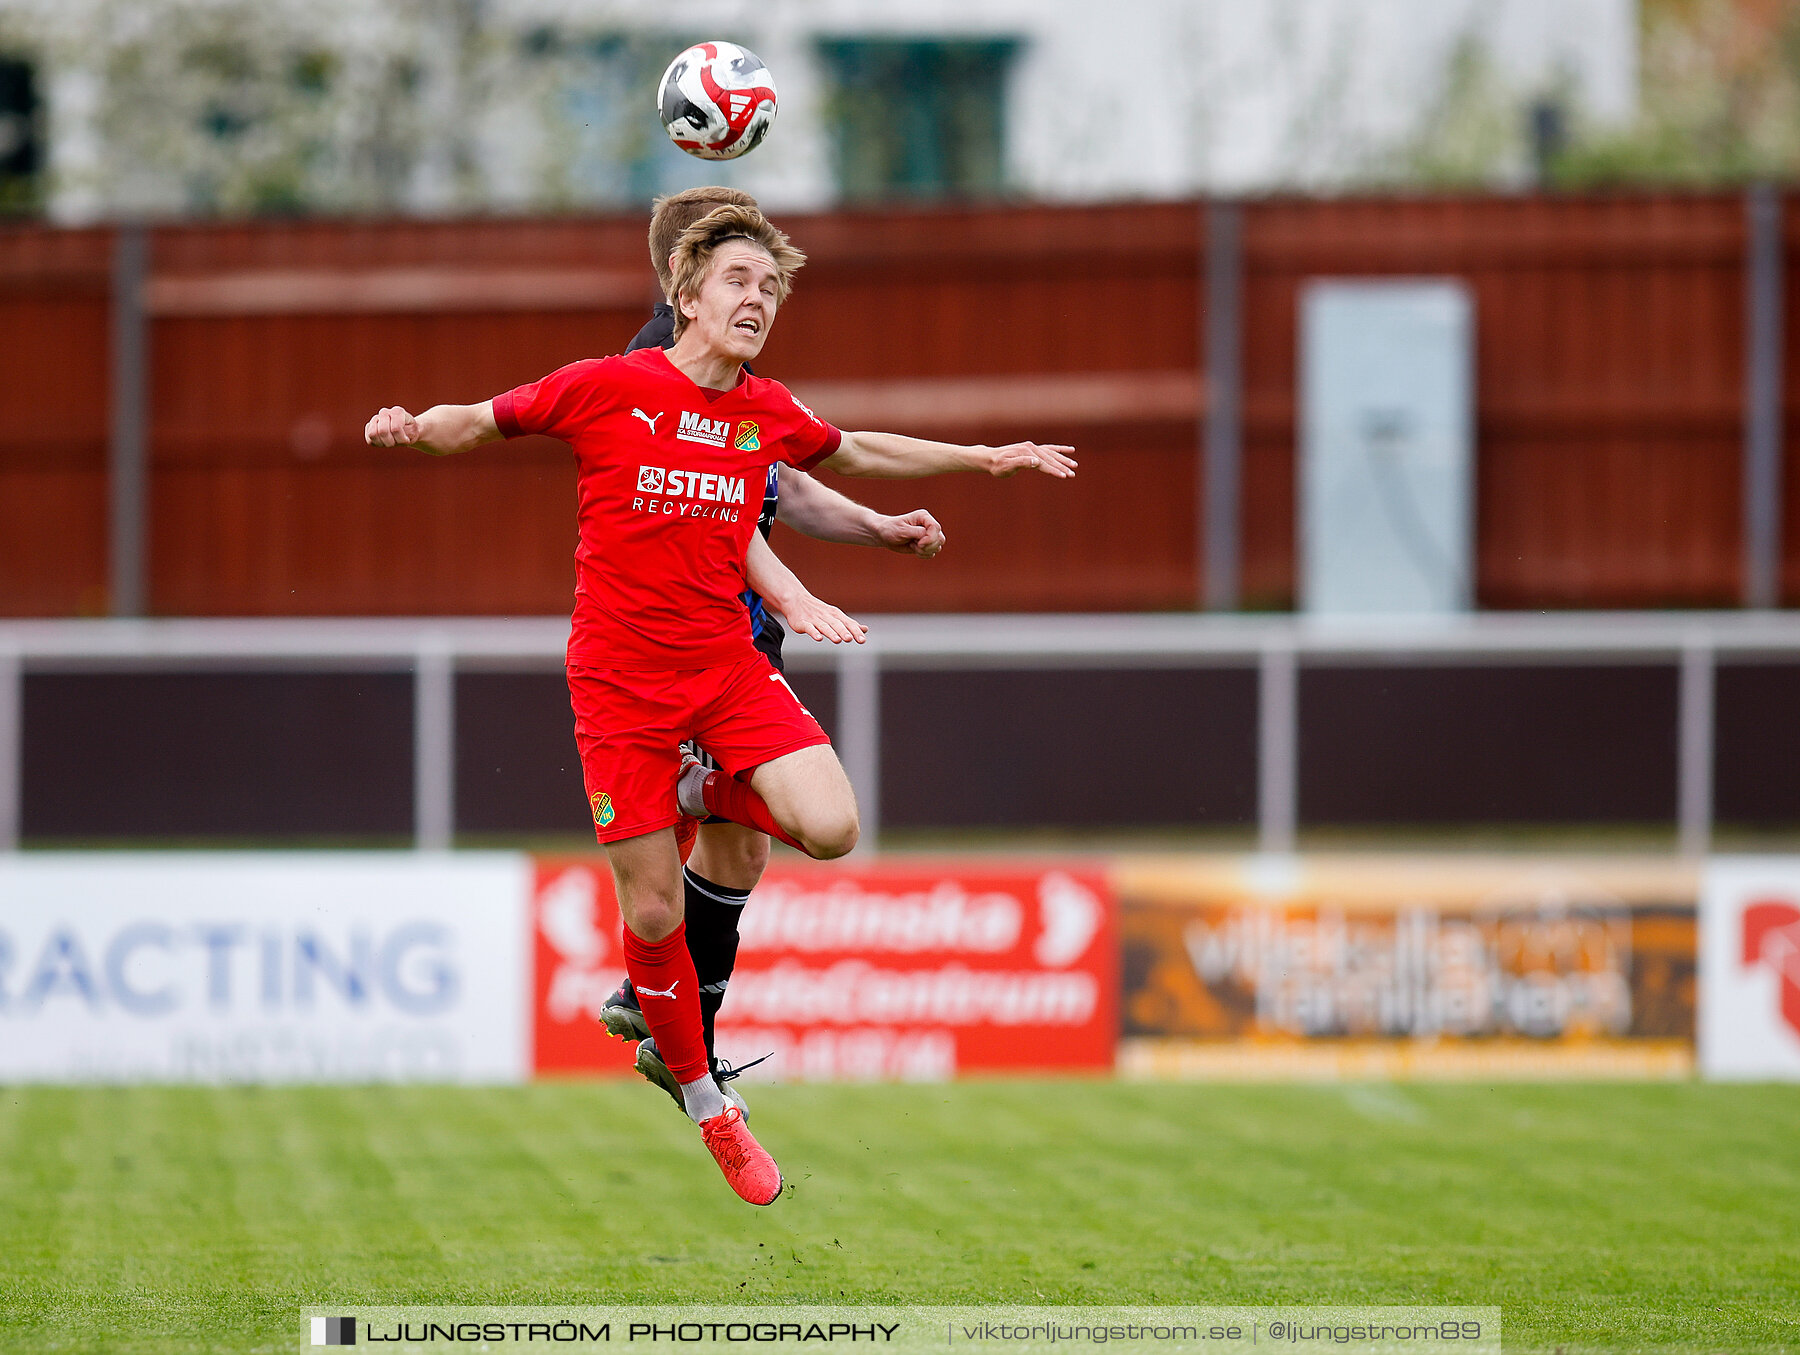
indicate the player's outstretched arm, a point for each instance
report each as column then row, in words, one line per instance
column 442, row 430
column 782, row 590
column 822, row 513
column 893, row 456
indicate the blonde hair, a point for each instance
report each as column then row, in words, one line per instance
column 674, row 213
column 693, row 253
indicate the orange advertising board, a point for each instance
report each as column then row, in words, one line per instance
column 1369, row 966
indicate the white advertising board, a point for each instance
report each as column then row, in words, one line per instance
column 264, row 967
column 1749, row 1017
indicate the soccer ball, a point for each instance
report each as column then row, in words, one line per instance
column 717, row 100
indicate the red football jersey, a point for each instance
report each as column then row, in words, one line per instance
column 671, row 481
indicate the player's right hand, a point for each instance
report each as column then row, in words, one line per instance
column 821, row 621
column 1048, row 457
column 392, row 427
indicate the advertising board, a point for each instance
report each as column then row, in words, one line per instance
column 229, row 967
column 211, row 967
column 1372, row 966
column 890, row 970
column 1750, row 967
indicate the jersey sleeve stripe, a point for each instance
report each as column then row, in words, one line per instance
column 506, row 415
column 832, row 440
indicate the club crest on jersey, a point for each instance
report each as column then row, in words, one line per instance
column 699, row 428
column 604, row 813
column 749, row 437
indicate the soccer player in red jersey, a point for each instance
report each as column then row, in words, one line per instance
column 728, row 859
column 669, row 445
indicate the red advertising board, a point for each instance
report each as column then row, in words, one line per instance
column 576, row 963
column 898, row 970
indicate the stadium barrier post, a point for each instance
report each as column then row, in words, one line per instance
column 1762, row 396
column 1694, row 765
column 859, row 730
column 12, row 683
column 127, row 452
column 1221, row 394
column 1277, row 747
column 434, row 745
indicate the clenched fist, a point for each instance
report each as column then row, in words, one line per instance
column 915, row 533
column 392, row 427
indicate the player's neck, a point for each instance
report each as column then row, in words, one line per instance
column 702, row 365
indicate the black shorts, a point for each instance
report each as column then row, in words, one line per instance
column 769, row 641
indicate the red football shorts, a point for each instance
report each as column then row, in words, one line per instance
column 629, row 726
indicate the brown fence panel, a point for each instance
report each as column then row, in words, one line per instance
column 53, row 421
column 1609, row 386
column 274, row 343
column 1102, row 302
column 1609, row 422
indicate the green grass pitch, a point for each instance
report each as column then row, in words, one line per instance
column 1658, row 1217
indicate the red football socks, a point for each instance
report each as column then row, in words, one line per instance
column 732, row 799
column 662, row 972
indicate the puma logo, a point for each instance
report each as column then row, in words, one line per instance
column 638, row 413
column 651, row 992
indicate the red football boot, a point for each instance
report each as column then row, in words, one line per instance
column 748, row 1167
column 687, row 833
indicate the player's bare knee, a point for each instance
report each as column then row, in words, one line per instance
column 730, row 855
column 830, row 836
column 651, row 918
column 740, row 854
column 753, row 856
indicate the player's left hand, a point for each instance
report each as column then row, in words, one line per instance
column 1050, row 458
column 915, row 533
column 821, row 621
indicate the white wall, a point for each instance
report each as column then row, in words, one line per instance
column 1167, row 98
column 1128, row 98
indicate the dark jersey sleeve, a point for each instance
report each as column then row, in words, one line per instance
column 658, row 333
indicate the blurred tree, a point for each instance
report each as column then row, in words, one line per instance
column 1719, row 102
column 1472, row 136
column 162, row 108
column 170, row 108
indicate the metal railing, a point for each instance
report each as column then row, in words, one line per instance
column 1279, row 647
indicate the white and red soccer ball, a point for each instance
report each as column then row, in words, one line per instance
column 717, row 100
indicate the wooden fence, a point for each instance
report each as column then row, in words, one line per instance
column 1611, row 385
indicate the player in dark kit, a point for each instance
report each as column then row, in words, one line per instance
column 668, row 447
column 728, row 859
